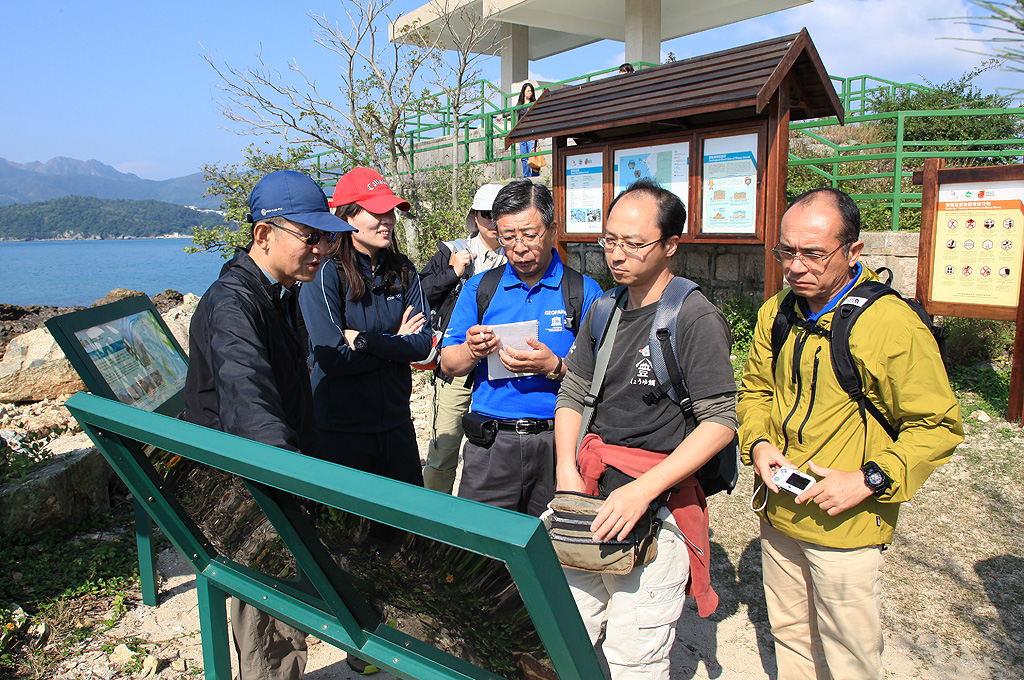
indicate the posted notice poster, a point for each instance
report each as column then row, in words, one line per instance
column 666, row 164
column 136, row 358
column 979, row 231
column 584, row 193
column 730, row 185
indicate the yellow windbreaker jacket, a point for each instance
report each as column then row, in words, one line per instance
column 803, row 411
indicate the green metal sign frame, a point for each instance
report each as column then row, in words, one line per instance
column 320, row 600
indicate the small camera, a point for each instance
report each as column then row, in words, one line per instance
column 793, row 481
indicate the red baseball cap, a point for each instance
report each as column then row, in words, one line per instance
column 368, row 189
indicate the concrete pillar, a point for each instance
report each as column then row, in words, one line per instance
column 515, row 55
column 643, row 31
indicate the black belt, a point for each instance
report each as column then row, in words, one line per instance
column 526, row 425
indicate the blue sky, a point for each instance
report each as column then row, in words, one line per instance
column 124, row 82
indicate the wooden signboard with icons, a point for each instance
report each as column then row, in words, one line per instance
column 971, row 251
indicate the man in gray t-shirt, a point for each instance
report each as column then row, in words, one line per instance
column 648, row 442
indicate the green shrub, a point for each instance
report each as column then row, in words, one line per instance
column 741, row 313
column 973, row 341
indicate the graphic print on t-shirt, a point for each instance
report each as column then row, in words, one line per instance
column 644, row 368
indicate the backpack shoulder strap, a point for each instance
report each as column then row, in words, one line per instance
column 663, row 357
column 488, row 284
column 600, row 314
column 572, row 295
column 843, row 318
column 784, row 319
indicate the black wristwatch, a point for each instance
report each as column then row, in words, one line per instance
column 875, row 479
column 360, row 342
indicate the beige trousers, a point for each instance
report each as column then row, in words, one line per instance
column 267, row 649
column 641, row 607
column 451, row 402
column 824, row 605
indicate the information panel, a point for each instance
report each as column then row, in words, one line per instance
column 137, row 359
column 730, row 185
column 584, row 193
column 666, row 164
column 978, row 237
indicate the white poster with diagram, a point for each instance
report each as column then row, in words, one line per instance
column 584, row 193
column 730, row 185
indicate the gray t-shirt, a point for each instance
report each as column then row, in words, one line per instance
column 702, row 346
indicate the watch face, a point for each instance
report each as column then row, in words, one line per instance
column 875, row 478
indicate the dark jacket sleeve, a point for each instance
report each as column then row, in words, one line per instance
column 414, row 346
column 249, row 401
column 323, row 311
column 438, row 277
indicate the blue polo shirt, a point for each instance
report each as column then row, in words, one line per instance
column 531, row 396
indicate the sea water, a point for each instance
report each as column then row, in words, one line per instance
column 66, row 273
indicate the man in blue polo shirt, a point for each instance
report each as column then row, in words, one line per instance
column 515, row 467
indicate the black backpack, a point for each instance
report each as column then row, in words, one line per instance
column 722, row 471
column 572, row 295
column 843, row 317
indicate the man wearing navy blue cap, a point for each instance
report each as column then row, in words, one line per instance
column 247, row 370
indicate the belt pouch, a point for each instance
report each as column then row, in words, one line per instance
column 479, row 429
column 568, row 527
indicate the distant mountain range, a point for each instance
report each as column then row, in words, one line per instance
column 60, row 176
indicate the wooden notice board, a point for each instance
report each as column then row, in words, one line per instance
column 971, row 252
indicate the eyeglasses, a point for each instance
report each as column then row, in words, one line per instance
column 485, row 214
column 311, row 239
column 810, row 260
column 609, row 244
column 526, row 239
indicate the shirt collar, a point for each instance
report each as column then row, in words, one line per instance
column 858, row 269
column 552, row 276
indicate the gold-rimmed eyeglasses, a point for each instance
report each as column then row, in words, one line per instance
column 810, row 260
column 527, row 240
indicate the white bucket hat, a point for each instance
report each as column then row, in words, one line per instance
column 482, row 200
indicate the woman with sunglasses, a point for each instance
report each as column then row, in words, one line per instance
column 454, row 263
column 366, row 318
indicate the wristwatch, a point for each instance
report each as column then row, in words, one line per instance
column 360, row 342
column 875, row 479
column 557, row 373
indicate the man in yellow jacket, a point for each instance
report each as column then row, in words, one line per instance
column 822, row 548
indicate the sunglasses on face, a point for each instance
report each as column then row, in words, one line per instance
column 484, row 214
column 311, row 239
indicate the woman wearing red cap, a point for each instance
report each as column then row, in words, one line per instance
column 365, row 314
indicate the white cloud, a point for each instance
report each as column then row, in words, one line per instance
column 898, row 40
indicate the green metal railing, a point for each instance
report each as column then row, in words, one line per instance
column 890, row 164
column 858, row 92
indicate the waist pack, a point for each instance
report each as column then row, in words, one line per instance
column 480, row 430
column 568, row 524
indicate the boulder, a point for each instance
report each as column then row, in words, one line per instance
column 71, row 489
column 179, row 318
column 34, row 368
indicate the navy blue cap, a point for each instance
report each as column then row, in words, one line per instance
column 295, row 196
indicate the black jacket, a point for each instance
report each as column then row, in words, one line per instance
column 439, row 281
column 247, row 370
column 366, row 390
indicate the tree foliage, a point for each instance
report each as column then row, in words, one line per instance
column 76, row 217
column 364, row 115
column 957, row 93
column 1007, row 47
column 233, row 182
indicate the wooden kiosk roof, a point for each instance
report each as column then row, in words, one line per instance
column 732, row 85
